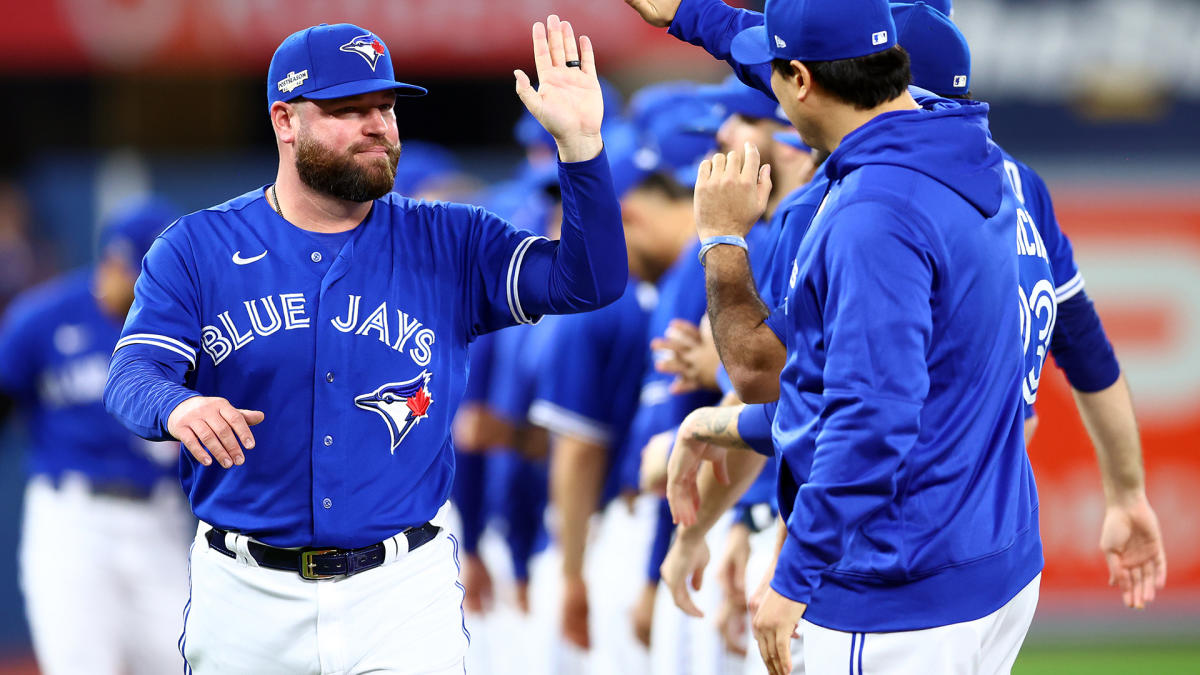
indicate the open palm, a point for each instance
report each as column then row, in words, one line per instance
column 567, row 101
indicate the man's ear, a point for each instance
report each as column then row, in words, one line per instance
column 804, row 79
column 283, row 120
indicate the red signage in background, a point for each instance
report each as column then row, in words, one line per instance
column 1140, row 257
column 425, row 36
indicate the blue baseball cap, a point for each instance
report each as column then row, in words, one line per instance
column 132, row 228
column 937, row 51
column 817, row 30
column 791, row 138
column 666, row 140
column 732, row 97
column 946, row 7
column 332, row 61
column 669, row 117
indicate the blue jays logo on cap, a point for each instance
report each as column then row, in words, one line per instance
column 400, row 404
column 367, row 46
column 322, row 62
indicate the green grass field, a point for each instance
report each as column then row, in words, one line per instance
column 1103, row 659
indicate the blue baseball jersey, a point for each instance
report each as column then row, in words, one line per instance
column 55, row 343
column 358, row 359
column 681, row 294
column 891, row 458
column 589, row 390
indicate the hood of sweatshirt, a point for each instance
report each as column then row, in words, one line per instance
column 947, row 140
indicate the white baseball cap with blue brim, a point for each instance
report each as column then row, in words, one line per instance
column 333, row 61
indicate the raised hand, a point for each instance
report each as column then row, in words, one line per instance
column 731, row 192
column 211, row 428
column 656, row 12
column 567, row 102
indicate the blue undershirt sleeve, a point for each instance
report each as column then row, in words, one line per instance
column 662, row 542
column 1081, row 348
column 754, row 426
column 469, row 491
column 587, row 268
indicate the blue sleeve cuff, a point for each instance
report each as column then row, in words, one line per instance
column 791, row 580
column 754, row 426
column 588, row 268
column 777, row 322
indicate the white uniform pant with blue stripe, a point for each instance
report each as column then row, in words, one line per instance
column 402, row 617
column 986, row 646
column 104, row 578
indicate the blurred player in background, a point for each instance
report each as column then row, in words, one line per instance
column 323, row 546
column 589, row 406
column 1130, row 536
column 103, row 557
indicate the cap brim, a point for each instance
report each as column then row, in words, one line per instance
column 751, row 47
column 365, row 87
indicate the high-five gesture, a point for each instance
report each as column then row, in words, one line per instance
column 568, row 101
column 656, row 12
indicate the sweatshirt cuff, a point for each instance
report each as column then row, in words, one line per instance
column 790, row 575
column 585, row 166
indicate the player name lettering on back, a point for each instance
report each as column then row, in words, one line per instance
column 1029, row 240
column 265, row 316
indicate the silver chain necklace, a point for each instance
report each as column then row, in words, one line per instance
column 275, row 198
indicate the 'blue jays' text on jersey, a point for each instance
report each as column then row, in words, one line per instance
column 54, row 347
column 900, row 420
column 590, row 391
column 357, row 360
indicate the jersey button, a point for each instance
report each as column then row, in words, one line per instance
column 329, row 440
column 316, row 256
column 329, row 376
column 327, row 503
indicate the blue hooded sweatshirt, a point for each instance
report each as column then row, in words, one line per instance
column 909, row 498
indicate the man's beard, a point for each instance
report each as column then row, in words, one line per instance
column 342, row 175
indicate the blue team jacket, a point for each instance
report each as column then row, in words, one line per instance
column 900, row 403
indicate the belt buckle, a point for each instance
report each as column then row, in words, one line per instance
column 308, row 567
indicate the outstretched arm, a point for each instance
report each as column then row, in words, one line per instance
column 1130, row 538
column 587, row 268
column 710, row 25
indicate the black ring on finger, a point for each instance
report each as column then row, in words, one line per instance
column 574, row 64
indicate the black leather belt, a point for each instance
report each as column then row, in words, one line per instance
column 321, row 563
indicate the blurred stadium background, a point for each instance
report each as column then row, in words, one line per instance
column 108, row 98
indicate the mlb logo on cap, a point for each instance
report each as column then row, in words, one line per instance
column 816, row 30
column 960, row 81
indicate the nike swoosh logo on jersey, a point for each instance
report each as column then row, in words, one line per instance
column 239, row 260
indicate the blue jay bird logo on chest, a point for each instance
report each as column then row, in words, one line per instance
column 400, row 404
column 367, row 46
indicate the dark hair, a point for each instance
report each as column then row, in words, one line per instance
column 665, row 185
column 864, row 81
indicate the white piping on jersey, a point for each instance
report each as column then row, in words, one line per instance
column 514, row 274
column 1069, row 289
column 559, row 420
column 163, row 341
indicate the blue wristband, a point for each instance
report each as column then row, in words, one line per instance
column 707, row 243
